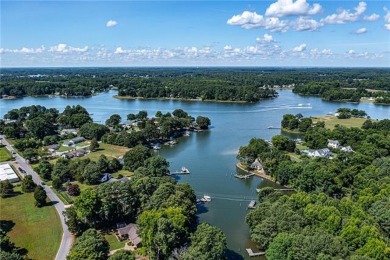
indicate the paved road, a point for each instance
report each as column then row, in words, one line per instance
column 67, row 238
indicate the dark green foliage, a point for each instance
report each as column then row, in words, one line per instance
column 114, row 120
column 122, row 255
column 44, row 169
column 93, row 131
column 6, row 189
column 28, row 185
column 136, row 157
column 40, row 196
column 73, row 190
column 207, row 242
column 90, row 245
column 94, row 145
column 203, row 122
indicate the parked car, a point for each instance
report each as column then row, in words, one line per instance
column 21, row 170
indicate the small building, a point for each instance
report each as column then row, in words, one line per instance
column 256, row 165
column 130, row 232
column 7, row 173
column 74, row 141
column 333, row 144
column 52, row 148
column 347, row 149
column 69, row 131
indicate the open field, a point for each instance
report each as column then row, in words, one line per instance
column 5, row 155
column 113, row 241
column 36, row 229
column 108, row 150
column 332, row 121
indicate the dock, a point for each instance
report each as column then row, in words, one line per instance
column 243, row 176
column 252, row 254
column 178, row 173
column 252, row 204
column 271, row 127
column 285, row 189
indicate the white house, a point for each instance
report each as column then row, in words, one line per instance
column 7, row 173
column 333, row 144
column 256, row 165
column 347, row 149
column 320, row 153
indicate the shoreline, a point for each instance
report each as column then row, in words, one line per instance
column 183, row 99
column 257, row 173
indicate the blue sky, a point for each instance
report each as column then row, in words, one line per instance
column 195, row 33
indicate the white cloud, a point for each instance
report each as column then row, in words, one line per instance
column 300, row 48
column 64, row 48
column 371, row 18
column 111, row 23
column 266, row 38
column 387, row 19
column 306, row 24
column 290, row 7
column 24, row 50
column 342, row 16
column 361, row 30
column 249, row 20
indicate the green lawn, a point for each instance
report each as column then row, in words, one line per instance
column 113, row 241
column 332, row 121
column 108, row 150
column 5, row 155
column 36, row 229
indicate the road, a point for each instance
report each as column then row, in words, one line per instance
column 67, row 237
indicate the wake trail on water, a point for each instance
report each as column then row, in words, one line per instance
column 225, row 196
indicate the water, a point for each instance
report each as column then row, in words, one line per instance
column 211, row 155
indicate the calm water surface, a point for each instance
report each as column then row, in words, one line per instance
column 211, row 155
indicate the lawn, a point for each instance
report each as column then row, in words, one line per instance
column 5, row 155
column 332, row 121
column 113, row 241
column 36, row 229
column 108, row 150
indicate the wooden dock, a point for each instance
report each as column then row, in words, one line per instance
column 178, row 173
column 243, row 176
column 284, row 189
column 252, row 254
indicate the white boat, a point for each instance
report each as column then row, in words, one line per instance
column 206, row 198
column 156, row 147
column 184, row 170
column 187, row 133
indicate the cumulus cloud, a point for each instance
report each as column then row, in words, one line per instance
column 342, row 16
column 306, row 24
column 361, row 30
column 64, row 48
column 290, row 7
column 111, row 23
column 266, row 38
column 249, row 20
column 300, row 48
column 387, row 19
column 371, row 18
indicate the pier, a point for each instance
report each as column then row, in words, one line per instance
column 252, row 254
column 243, row 176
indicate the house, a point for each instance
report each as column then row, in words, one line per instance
column 130, row 232
column 320, row 153
column 105, row 177
column 74, row 141
column 333, row 144
column 347, row 149
column 69, row 131
column 256, row 165
column 52, row 148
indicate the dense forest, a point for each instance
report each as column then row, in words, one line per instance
column 341, row 206
column 226, row 84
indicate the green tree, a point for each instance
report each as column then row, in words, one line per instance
column 122, row 255
column 75, row 225
column 203, row 122
column 40, row 196
column 114, row 120
column 157, row 166
column 93, row 130
column 103, row 163
column 136, row 157
column 90, row 245
column 87, row 206
column 28, row 185
column 207, row 242
column 44, row 169
column 57, row 183
column 6, row 189
column 94, row 145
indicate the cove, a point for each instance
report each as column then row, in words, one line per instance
column 211, row 155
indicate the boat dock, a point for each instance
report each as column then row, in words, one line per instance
column 252, row 204
column 243, row 176
column 252, row 254
column 178, row 173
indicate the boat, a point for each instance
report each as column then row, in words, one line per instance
column 252, row 204
column 187, row 133
column 184, row 170
column 206, row 198
column 156, row 147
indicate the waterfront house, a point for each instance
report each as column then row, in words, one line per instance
column 129, row 232
column 320, row 153
column 69, row 131
column 256, row 165
column 333, row 144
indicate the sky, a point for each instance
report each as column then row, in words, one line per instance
column 286, row 33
